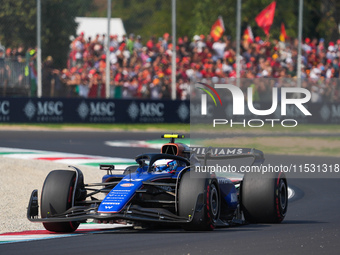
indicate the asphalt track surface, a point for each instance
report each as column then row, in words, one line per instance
column 312, row 224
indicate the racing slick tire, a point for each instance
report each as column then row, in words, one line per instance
column 56, row 198
column 264, row 198
column 202, row 192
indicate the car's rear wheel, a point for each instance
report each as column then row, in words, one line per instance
column 199, row 199
column 56, row 198
column 264, row 198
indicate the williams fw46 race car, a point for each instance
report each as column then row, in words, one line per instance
column 162, row 189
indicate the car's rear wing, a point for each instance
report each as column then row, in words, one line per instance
column 224, row 153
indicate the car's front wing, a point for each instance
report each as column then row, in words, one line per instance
column 132, row 213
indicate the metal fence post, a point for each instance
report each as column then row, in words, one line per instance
column 39, row 66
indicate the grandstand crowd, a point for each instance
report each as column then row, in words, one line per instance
column 143, row 70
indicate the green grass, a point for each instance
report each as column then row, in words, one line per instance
column 300, row 128
column 180, row 127
column 329, row 138
column 312, row 146
column 308, row 146
column 106, row 127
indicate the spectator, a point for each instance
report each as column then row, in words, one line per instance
column 130, row 43
column 138, row 45
column 4, row 72
column 218, row 48
column 144, row 70
column 47, row 76
column 96, row 86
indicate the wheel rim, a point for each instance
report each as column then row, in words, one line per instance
column 214, row 201
column 283, row 196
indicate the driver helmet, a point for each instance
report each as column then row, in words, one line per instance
column 165, row 165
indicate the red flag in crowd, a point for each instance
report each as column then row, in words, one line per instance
column 265, row 18
column 217, row 29
column 248, row 35
column 283, row 35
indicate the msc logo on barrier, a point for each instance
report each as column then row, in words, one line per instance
column 97, row 111
column 146, row 112
column 44, row 111
column 4, row 110
column 183, row 112
column 330, row 113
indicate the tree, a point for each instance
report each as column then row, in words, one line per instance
column 153, row 17
column 17, row 22
column 18, row 25
column 148, row 17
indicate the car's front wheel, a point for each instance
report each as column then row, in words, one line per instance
column 56, row 198
column 199, row 199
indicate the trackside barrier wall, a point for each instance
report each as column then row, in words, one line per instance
column 79, row 110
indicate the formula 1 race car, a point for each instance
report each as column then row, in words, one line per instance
column 163, row 189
